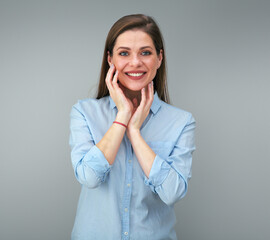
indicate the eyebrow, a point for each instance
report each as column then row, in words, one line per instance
column 127, row 48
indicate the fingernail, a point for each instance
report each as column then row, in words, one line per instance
column 111, row 66
column 116, row 72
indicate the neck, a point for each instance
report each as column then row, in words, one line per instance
column 131, row 94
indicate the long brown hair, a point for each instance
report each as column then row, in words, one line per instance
column 149, row 26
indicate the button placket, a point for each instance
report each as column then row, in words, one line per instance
column 127, row 192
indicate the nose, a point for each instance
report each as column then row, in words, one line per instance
column 135, row 60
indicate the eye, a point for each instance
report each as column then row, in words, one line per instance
column 124, row 53
column 146, row 53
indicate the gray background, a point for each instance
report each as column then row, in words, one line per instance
column 218, row 61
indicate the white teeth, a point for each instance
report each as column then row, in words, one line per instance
column 135, row 74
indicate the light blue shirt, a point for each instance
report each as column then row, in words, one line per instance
column 118, row 201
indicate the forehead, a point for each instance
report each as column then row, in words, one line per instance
column 133, row 38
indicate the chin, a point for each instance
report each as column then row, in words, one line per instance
column 134, row 87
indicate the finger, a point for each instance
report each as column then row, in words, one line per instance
column 152, row 88
column 109, row 76
column 150, row 92
column 118, row 89
column 110, row 72
column 115, row 78
column 115, row 83
column 143, row 98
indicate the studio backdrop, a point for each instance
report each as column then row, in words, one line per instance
column 218, row 57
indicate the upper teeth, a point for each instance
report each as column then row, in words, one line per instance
column 135, row 74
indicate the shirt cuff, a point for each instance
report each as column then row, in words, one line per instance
column 96, row 160
column 159, row 171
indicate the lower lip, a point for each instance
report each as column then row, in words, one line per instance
column 135, row 77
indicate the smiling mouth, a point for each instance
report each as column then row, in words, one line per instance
column 135, row 74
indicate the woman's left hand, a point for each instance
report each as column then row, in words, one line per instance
column 140, row 112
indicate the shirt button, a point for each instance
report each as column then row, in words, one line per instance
column 126, row 233
column 128, row 184
column 126, row 209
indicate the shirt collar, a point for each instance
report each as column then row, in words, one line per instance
column 154, row 107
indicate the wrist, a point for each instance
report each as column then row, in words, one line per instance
column 123, row 117
column 134, row 132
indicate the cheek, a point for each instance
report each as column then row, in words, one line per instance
column 119, row 64
column 153, row 64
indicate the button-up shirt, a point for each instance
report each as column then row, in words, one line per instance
column 118, row 201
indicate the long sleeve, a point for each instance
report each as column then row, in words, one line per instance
column 135, row 201
column 89, row 164
column 170, row 174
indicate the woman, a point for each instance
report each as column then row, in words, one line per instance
column 131, row 150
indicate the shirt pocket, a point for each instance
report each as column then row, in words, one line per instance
column 161, row 148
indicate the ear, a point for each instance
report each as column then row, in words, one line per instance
column 109, row 58
column 160, row 57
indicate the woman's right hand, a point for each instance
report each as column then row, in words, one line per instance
column 123, row 104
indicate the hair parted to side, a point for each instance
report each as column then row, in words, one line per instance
column 149, row 26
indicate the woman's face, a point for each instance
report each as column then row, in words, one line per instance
column 136, row 59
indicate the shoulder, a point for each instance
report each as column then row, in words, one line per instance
column 93, row 104
column 172, row 113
